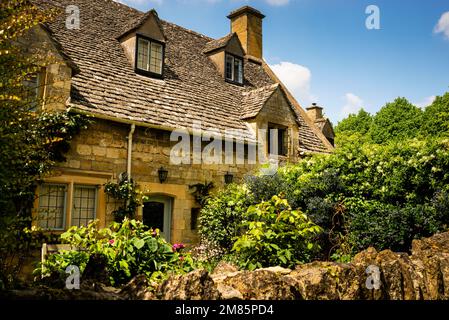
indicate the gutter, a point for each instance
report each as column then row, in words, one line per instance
column 130, row 149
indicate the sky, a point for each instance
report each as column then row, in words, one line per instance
column 342, row 54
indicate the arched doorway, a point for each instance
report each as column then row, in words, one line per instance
column 157, row 213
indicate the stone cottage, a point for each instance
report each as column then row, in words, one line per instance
column 141, row 79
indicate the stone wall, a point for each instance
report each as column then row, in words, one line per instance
column 101, row 149
column 422, row 275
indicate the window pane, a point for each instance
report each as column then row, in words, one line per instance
column 273, row 141
column 51, row 210
column 84, row 205
column 143, row 55
column 156, row 58
column 31, row 87
column 238, row 70
column 282, row 142
column 229, row 67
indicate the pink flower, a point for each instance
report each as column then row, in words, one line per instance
column 111, row 242
column 178, row 246
column 181, row 258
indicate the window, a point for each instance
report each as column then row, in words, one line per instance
column 84, row 205
column 277, row 140
column 149, row 56
column 194, row 214
column 55, row 206
column 234, row 68
column 33, row 87
column 52, row 209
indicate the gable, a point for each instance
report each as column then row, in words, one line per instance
column 235, row 47
column 277, row 110
column 148, row 25
column 151, row 29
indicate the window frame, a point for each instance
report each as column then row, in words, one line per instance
column 234, row 57
column 283, row 150
column 86, row 186
column 64, row 216
column 136, row 57
column 37, row 93
column 68, row 202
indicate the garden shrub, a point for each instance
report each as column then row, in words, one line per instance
column 17, row 243
column 388, row 194
column 130, row 250
column 275, row 235
column 264, row 187
column 220, row 219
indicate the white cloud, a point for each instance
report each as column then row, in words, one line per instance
column 443, row 25
column 426, row 102
column 353, row 104
column 297, row 79
column 277, row 2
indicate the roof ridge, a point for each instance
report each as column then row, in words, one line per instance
column 195, row 33
column 124, row 5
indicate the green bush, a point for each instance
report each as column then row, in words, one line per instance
column 275, row 235
column 220, row 219
column 264, row 187
column 17, row 244
column 387, row 195
column 130, row 250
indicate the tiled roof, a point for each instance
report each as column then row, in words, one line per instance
column 218, row 44
column 192, row 88
column 254, row 100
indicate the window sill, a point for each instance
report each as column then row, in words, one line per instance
column 148, row 73
column 234, row 82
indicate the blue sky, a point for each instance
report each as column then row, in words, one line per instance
column 324, row 53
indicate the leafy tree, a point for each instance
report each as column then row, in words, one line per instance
column 397, row 120
column 355, row 123
column 436, row 117
column 31, row 142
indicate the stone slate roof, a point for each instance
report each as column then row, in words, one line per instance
column 192, row 88
column 254, row 100
column 218, row 44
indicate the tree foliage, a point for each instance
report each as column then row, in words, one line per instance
column 436, row 117
column 355, row 123
column 31, row 142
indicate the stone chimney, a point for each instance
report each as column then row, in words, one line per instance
column 247, row 23
column 315, row 112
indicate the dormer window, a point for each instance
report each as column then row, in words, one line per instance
column 149, row 56
column 234, row 68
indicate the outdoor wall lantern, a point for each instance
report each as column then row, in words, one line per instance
column 228, row 178
column 163, row 173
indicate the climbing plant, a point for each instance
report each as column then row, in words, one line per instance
column 201, row 192
column 127, row 193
